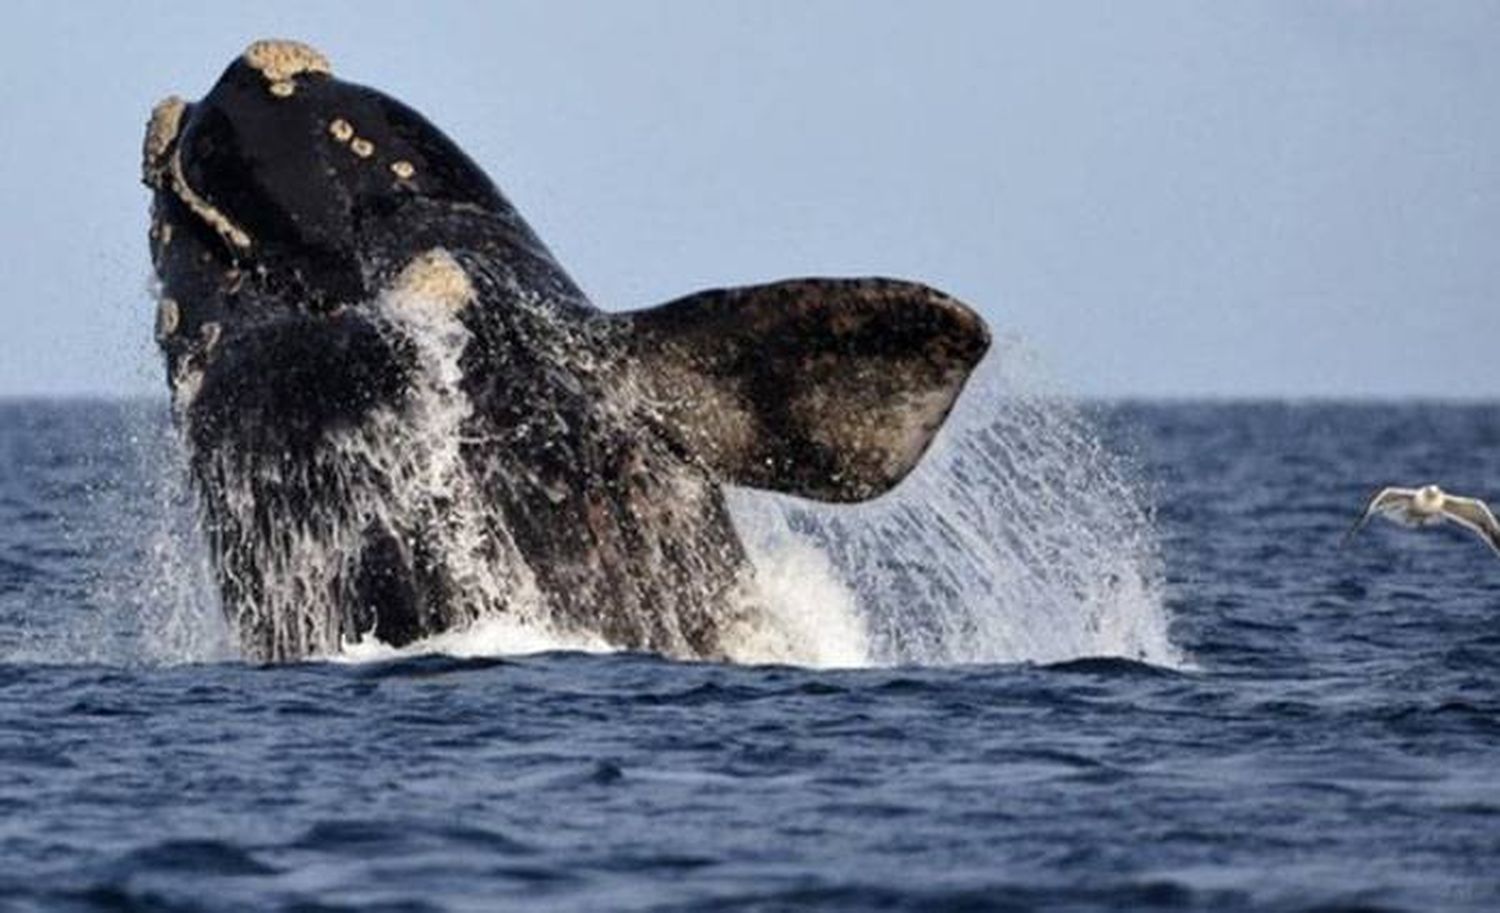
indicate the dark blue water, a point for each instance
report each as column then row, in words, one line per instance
column 1336, row 748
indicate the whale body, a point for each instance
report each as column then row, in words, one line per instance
column 402, row 416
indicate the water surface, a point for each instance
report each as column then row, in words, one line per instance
column 1331, row 741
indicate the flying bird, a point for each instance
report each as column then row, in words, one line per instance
column 1429, row 506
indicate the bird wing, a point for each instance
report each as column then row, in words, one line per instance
column 1475, row 516
column 1388, row 501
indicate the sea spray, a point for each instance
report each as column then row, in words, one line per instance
column 1019, row 538
column 171, row 588
column 145, row 594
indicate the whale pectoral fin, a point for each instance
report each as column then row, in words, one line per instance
column 829, row 389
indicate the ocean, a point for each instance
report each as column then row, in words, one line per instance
column 1098, row 657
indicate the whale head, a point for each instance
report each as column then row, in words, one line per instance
column 297, row 183
column 284, row 196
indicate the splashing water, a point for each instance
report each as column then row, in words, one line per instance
column 141, row 587
column 401, row 470
column 1019, row 538
column 172, row 590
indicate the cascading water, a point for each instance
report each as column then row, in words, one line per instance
column 170, row 590
column 401, row 470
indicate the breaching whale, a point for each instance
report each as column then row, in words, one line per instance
column 402, row 416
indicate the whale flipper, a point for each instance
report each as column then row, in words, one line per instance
column 829, row 389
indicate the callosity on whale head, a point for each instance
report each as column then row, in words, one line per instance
column 403, row 415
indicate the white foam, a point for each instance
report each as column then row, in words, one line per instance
column 798, row 610
column 501, row 635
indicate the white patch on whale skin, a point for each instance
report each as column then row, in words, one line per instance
column 434, row 279
column 280, row 60
column 161, row 132
column 160, row 235
column 205, row 210
column 168, row 318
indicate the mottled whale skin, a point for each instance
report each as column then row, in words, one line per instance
column 576, row 456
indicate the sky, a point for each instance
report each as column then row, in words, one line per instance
column 1173, row 199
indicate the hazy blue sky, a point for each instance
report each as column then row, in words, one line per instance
column 1163, row 198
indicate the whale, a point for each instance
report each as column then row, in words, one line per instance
column 401, row 416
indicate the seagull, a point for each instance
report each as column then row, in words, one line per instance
column 1429, row 506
